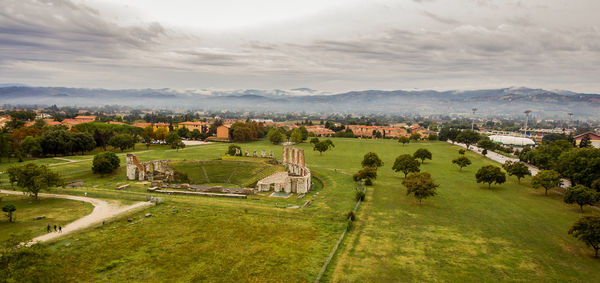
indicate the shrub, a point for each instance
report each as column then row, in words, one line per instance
column 105, row 162
column 359, row 195
column 350, row 215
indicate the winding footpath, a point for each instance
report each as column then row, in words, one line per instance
column 103, row 210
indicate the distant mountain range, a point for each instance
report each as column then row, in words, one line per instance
column 496, row 102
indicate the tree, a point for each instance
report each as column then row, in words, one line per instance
column 468, row 137
column 415, row 137
column 5, row 146
column 161, row 133
column 490, row 174
column 276, row 136
column 581, row 195
column 149, row 133
column 173, row 139
column 232, row 149
column 179, row 145
column 406, row 163
column 31, row 146
column 585, row 142
column 461, row 151
column 121, row 141
column 56, row 142
column 422, row 154
column 367, row 174
column 484, row 152
column 596, row 185
column 9, row 209
column 546, row 179
column 323, row 146
column 580, row 165
column 195, row 134
column 432, row 137
column 461, row 161
column 486, row 144
column 314, row 140
column 183, row 132
column 371, row 159
column 296, row 136
column 105, row 162
column 517, row 169
column 420, row 185
column 403, row 140
column 34, row 178
column 587, row 230
column 82, row 142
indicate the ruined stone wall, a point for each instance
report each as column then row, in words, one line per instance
column 298, row 179
column 142, row 171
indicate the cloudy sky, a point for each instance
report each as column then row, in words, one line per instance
column 333, row 45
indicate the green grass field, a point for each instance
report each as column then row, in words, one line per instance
column 57, row 212
column 465, row 233
column 242, row 172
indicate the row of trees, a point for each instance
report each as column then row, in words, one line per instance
column 580, row 165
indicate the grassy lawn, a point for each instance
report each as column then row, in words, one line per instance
column 257, row 239
column 57, row 211
column 465, row 233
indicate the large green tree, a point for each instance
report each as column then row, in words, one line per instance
column 547, row 179
column 366, row 174
column 490, row 174
column 580, row 195
column 587, row 230
column 371, row 159
column 34, row 178
column 420, row 185
column 468, row 137
column 121, row 141
column 422, row 153
column 406, row 164
column 105, row 162
column 517, row 169
column 461, row 161
column 403, row 140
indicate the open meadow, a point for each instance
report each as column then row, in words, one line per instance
column 467, row 232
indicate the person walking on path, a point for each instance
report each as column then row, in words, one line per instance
column 54, row 227
column 48, row 229
column 59, row 229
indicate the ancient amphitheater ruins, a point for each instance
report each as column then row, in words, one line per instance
column 296, row 179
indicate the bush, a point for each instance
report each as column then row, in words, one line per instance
column 232, row 149
column 359, row 195
column 350, row 215
column 105, row 162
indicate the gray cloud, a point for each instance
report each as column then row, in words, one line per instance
column 66, row 43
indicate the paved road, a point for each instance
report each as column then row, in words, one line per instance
column 103, row 210
column 502, row 159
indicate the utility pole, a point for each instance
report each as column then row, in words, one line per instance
column 526, row 119
column 473, row 119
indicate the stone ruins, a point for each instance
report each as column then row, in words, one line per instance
column 297, row 179
column 148, row 171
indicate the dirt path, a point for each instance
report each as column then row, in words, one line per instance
column 103, row 210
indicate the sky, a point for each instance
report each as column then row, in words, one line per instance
column 331, row 46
